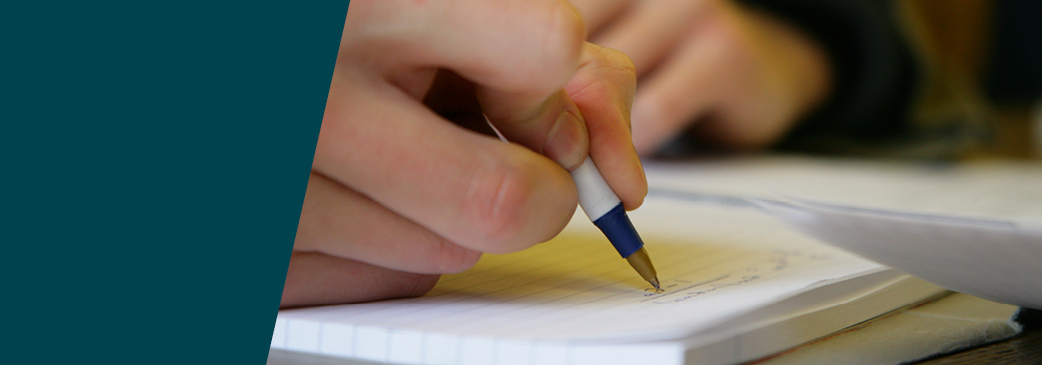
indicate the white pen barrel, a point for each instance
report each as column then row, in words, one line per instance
column 595, row 196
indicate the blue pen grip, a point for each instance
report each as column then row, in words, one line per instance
column 617, row 227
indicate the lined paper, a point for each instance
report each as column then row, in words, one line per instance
column 723, row 263
column 714, row 264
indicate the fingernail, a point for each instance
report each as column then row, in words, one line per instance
column 568, row 142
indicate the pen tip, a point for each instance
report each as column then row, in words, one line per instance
column 654, row 282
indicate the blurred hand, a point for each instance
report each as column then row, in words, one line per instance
column 739, row 77
column 399, row 194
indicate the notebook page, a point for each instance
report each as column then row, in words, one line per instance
column 714, row 263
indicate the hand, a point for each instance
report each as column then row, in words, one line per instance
column 738, row 77
column 399, row 194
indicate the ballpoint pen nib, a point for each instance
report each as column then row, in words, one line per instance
column 642, row 264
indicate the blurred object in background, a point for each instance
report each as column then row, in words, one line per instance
column 954, row 38
column 994, row 49
column 1038, row 129
column 1015, row 72
column 920, row 79
column 1014, row 78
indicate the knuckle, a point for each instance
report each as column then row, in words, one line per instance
column 501, row 194
column 610, row 71
column 612, row 64
column 567, row 31
column 618, row 62
column 559, row 34
column 544, row 48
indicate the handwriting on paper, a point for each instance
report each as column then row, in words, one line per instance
column 683, row 289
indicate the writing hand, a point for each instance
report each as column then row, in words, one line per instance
column 399, row 194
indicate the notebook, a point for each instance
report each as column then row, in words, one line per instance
column 738, row 285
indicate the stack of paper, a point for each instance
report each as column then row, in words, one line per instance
column 975, row 228
column 739, row 284
column 993, row 259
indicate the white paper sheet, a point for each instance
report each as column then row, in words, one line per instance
column 995, row 189
column 994, row 259
column 574, row 301
column 577, row 288
column 577, row 295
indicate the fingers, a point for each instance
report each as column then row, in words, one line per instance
column 777, row 74
column 596, row 104
column 685, row 87
column 529, row 48
column 470, row 189
column 603, row 89
column 519, row 53
column 553, row 127
column 650, row 32
column 316, row 279
column 340, row 222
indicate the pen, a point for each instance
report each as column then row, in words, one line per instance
column 605, row 209
column 606, row 212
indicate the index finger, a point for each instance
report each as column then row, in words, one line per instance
column 519, row 53
column 603, row 90
column 526, row 47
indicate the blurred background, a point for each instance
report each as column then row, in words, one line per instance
column 995, row 46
